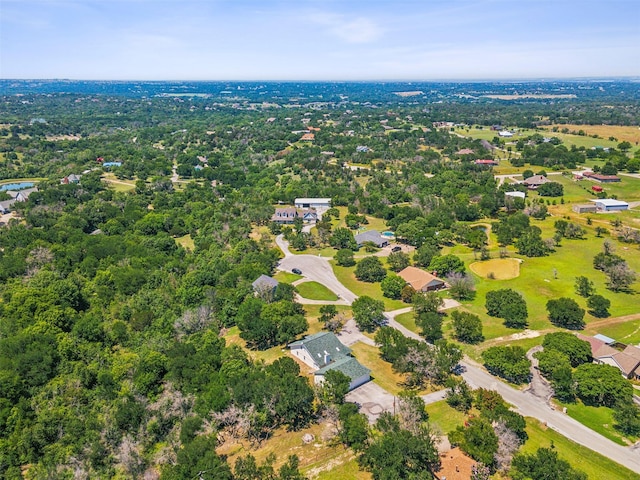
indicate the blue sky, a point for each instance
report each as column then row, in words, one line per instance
column 318, row 39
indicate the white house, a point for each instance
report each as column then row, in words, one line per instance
column 323, row 352
column 320, row 204
column 515, row 194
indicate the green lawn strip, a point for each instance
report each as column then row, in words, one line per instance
column 346, row 276
column 286, row 277
column 598, row 419
column 408, row 321
column 346, row 471
column 323, row 252
column 627, row 332
column 315, row 291
column 19, row 180
column 596, row 466
column 444, row 418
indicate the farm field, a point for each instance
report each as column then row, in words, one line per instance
column 622, row 133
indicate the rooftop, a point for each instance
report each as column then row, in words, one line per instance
column 347, row 365
column 610, row 202
column 321, row 344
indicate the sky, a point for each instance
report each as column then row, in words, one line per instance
column 318, row 39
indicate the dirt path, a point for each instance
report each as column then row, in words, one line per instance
column 612, row 321
column 538, row 386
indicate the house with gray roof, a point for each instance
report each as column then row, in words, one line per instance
column 323, row 352
column 264, row 284
column 5, row 205
column 371, row 236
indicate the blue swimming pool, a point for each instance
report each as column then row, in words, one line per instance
column 388, row 234
column 16, row 186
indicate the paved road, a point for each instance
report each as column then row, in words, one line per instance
column 319, row 270
column 314, row 268
column 531, row 406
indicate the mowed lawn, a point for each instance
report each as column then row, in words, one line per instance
column 315, row 291
column 347, row 277
column 550, row 277
column 596, row 466
column 598, row 419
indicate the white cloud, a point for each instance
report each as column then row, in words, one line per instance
column 351, row 30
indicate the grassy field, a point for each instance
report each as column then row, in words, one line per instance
column 381, row 371
column 537, row 282
column 315, row 291
column 347, row 277
column 286, row 277
column 24, row 179
column 621, row 132
column 443, row 417
column 497, row 268
column 625, row 332
column 408, row 321
column 186, row 242
column 598, row 419
column 596, row 466
column 316, row 459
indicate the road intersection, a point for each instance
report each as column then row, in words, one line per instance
column 317, row 268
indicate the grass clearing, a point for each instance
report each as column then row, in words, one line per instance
column 286, row 277
column 408, row 321
column 22, row 179
column 315, row 291
column 498, row 268
column 622, row 133
column 625, row 332
column 445, row 418
column 596, row 466
column 186, row 242
column 315, row 459
column 598, row 419
column 381, row 372
column 347, row 277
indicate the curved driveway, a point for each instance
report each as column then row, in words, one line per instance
column 318, row 269
column 314, row 268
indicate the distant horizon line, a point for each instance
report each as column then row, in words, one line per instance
column 440, row 80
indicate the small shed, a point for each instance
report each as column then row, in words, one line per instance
column 585, row 208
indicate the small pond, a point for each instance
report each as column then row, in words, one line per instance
column 16, row 186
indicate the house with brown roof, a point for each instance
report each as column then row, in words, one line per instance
column 535, row 181
column 307, row 137
column 627, row 360
column 421, row 280
column 601, row 178
column 488, row 162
